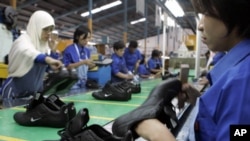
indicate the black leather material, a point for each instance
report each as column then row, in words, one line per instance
column 77, row 130
column 157, row 105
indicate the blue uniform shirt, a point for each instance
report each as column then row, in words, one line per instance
column 154, row 64
column 118, row 65
column 143, row 70
column 70, row 54
column 217, row 57
column 131, row 58
column 227, row 101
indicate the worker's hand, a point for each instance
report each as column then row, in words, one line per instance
column 155, row 130
column 203, row 81
column 54, row 63
column 53, row 44
column 130, row 76
column 90, row 63
column 188, row 94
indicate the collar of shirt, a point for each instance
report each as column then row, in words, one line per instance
column 234, row 56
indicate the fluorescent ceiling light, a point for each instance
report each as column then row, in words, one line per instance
column 170, row 21
column 174, row 7
column 138, row 21
column 104, row 7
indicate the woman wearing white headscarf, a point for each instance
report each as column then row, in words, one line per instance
column 28, row 59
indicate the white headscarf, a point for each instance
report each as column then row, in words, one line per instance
column 29, row 45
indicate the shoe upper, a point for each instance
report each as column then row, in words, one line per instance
column 50, row 111
column 43, row 115
column 158, row 105
column 77, row 130
column 113, row 92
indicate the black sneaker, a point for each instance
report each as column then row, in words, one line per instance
column 52, row 102
column 125, row 85
column 57, row 104
column 135, row 87
column 170, row 75
column 64, row 87
column 112, row 92
column 131, row 86
column 75, row 125
column 77, row 130
column 157, row 105
column 92, row 84
column 54, row 80
column 43, row 114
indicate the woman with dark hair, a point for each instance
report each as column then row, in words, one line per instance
column 143, row 70
column 119, row 69
column 154, row 63
column 132, row 56
column 77, row 55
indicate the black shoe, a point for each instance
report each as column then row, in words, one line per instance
column 98, row 133
column 53, row 100
column 77, row 130
column 170, row 75
column 92, row 84
column 51, row 103
column 158, row 105
column 75, row 125
column 124, row 85
column 136, row 88
column 64, row 87
column 131, row 86
column 112, row 92
column 54, row 80
column 57, row 104
column 43, row 115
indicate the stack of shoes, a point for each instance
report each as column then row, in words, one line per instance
column 47, row 112
column 158, row 105
column 77, row 130
column 60, row 82
column 114, row 91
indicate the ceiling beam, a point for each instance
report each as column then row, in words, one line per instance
column 27, row 3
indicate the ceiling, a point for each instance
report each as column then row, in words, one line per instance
column 106, row 23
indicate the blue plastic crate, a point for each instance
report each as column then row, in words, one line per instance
column 102, row 75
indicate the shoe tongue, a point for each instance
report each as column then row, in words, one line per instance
column 38, row 99
column 50, row 102
column 77, row 124
column 53, row 98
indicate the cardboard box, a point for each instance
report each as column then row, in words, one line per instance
column 3, row 71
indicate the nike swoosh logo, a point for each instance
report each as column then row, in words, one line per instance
column 107, row 95
column 34, row 119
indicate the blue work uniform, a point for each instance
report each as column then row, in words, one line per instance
column 118, row 65
column 29, row 84
column 131, row 58
column 217, row 57
column 154, row 64
column 73, row 54
column 227, row 101
column 143, row 70
column 55, row 55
